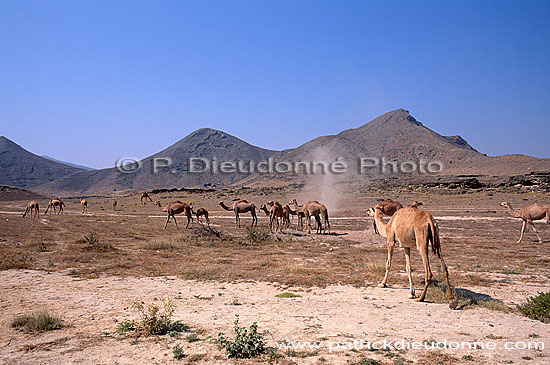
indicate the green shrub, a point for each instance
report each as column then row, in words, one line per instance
column 254, row 235
column 288, row 295
column 177, row 351
column 537, row 307
column 37, row 322
column 155, row 320
column 91, row 240
column 247, row 343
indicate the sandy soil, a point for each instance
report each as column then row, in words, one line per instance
column 213, row 279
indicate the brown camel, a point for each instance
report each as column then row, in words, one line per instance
column 201, row 212
column 115, row 202
column 529, row 213
column 55, row 203
column 242, row 206
column 413, row 227
column 300, row 212
column 145, row 196
column 275, row 212
column 317, row 210
column 32, row 206
column 84, row 204
column 177, row 207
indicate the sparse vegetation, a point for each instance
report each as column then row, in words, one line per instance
column 93, row 243
column 537, row 307
column 177, row 351
column 288, row 295
column 164, row 243
column 254, row 236
column 155, row 320
column 246, row 344
column 42, row 246
column 37, row 322
column 437, row 293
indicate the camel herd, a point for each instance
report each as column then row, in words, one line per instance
column 409, row 226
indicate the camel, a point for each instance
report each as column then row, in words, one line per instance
column 316, row 209
column 54, row 203
column 32, row 206
column 529, row 213
column 287, row 212
column 177, row 207
column 145, row 196
column 84, row 204
column 412, row 227
column 275, row 212
column 300, row 212
column 242, row 206
column 115, row 202
column 201, row 212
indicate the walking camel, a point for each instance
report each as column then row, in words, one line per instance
column 242, row 206
column 201, row 212
column 84, row 204
column 177, row 207
column 145, row 196
column 32, row 206
column 529, row 213
column 412, row 227
column 55, row 203
column 316, row 209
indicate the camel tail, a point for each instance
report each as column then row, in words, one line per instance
column 433, row 236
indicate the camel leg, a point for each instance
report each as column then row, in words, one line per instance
column 533, row 226
column 167, row 219
column 189, row 219
column 427, row 270
column 391, row 243
column 237, row 220
column 175, row 221
column 409, row 272
column 522, row 231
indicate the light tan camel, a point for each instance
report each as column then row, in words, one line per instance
column 387, row 207
column 115, row 203
column 201, row 212
column 242, row 206
column 412, row 227
column 299, row 210
column 145, row 196
column 317, row 210
column 84, row 204
column 55, row 203
column 32, row 206
column 177, row 207
column 529, row 213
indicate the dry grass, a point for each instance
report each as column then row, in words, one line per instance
column 37, row 322
column 437, row 293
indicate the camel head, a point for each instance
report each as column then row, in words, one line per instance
column 416, row 204
column 373, row 210
column 293, row 201
column 270, row 203
column 506, row 205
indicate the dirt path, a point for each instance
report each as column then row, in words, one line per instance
column 330, row 316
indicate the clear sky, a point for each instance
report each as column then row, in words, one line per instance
column 92, row 81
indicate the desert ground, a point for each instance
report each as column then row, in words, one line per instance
column 46, row 263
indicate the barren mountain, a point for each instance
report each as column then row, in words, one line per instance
column 393, row 137
column 21, row 168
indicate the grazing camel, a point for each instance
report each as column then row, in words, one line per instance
column 32, row 206
column 145, row 196
column 316, row 209
column 201, row 212
column 55, row 203
column 177, row 207
column 529, row 213
column 84, row 204
column 242, row 206
column 115, row 202
column 412, row 227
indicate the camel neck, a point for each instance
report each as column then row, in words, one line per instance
column 513, row 213
column 380, row 224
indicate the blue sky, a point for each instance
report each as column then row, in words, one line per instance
column 93, row 81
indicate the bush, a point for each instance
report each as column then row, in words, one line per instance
column 254, row 235
column 93, row 243
column 156, row 320
column 91, row 240
column 37, row 322
column 247, row 343
column 537, row 307
column 177, row 351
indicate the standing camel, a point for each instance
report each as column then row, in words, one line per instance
column 316, row 209
column 177, row 207
column 242, row 206
column 55, row 203
column 32, row 206
column 145, row 196
column 287, row 211
column 201, row 212
column 84, row 204
column 412, row 227
column 529, row 213
column 275, row 212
